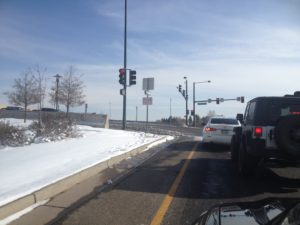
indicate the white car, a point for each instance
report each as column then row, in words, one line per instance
column 219, row 130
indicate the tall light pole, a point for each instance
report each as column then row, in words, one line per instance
column 194, row 112
column 125, row 68
column 186, row 101
column 57, row 76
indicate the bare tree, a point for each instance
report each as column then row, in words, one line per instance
column 39, row 75
column 24, row 91
column 70, row 92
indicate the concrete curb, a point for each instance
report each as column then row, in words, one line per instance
column 62, row 185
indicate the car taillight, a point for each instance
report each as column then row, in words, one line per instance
column 258, row 131
column 209, row 129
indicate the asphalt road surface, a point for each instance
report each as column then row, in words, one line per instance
column 193, row 181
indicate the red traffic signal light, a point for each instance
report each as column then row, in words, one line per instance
column 242, row 99
column 122, row 76
column 218, row 101
column 122, row 71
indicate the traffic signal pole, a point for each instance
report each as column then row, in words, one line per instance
column 125, row 67
column 194, row 99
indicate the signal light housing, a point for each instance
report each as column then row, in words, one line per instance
column 179, row 88
column 132, row 77
column 242, row 99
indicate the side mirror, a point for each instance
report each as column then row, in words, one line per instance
column 240, row 117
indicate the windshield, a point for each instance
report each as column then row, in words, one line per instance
column 124, row 111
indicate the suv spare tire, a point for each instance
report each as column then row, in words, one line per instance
column 287, row 134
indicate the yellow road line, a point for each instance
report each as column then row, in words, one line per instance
column 159, row 216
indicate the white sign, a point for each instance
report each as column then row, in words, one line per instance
column 147, row 101
column 148, row 84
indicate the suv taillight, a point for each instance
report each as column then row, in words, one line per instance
column 258, row 132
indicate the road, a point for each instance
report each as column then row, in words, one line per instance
column 208, row 179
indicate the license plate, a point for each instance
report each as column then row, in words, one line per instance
column 224, row 131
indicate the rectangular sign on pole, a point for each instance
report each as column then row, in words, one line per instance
column 148, row 84
column 147, row 101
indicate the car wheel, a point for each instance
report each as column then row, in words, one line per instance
column 246, row 163
column 287, row 134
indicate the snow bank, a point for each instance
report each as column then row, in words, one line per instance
column 26, row 169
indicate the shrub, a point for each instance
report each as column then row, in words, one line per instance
column 54, row 127
column 11, row 135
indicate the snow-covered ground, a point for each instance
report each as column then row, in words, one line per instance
column 26, row 169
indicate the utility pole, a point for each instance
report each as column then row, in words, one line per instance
column 57, row 76
column 125, row 68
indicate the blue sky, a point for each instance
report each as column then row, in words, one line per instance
column 246, row 48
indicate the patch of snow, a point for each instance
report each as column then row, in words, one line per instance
column 26, row 169
column 17, row 122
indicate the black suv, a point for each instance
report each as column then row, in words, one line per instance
column 270, row 129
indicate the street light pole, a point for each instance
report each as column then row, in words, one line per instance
column 186, row 101
column 125, row 65
column 194, row 116
column 194, row 100
column 57, row 76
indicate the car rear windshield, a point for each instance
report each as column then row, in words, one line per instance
column 224, row 121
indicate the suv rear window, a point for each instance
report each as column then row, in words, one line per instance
column 279, row 109
column 224, row 121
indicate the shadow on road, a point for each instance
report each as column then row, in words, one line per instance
column 207, row 176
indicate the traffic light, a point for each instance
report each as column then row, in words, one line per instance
column 242, row 99
column 132, row 77
column 183, row 93
column 122, row 76
column 179, row 88
column 218, row 101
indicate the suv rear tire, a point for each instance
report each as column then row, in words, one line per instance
column 234, row 149
column 247, row 163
